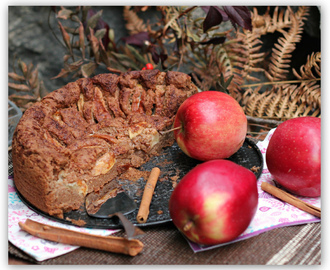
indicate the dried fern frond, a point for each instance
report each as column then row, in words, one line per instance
column 302, row 12
column 282, row 53
column 134, row 24
column 172, row 14
column 232, row 57
column 26, row 80
column 263, row 24
column 252, row 45
column 313, row 64
column 284, row 101
column 240, row 57
column 310, row 93
column 254, row 100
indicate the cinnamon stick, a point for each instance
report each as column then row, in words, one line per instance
column 143, row 213
column 108, row 243
column 287, row 197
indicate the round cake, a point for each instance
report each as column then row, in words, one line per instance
column 78, row 138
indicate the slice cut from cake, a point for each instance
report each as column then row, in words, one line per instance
column 80, row 137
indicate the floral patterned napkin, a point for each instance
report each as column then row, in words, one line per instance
column 271, row 212
column 37, row 248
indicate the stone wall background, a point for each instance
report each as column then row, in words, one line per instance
column 31, row 40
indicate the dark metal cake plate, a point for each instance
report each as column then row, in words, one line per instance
column 174, row 164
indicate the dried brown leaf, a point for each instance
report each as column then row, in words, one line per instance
column 23, row 67
column 103, row 55
column 33, row 80
column 82, row 40
column 62, row 74
column 42, row 90
column 88, row 69
column 27, row 97
column 23, row 102
column 64, row 13
column 94, row 42
column 19, row 87
column 92, row 21
column 16, row 77
column 66, row 37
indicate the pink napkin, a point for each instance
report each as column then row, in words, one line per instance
column 37, row 248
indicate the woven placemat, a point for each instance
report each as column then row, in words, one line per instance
column 10, row 165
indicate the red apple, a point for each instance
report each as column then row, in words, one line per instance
column 214, row 202
column 293, row 156
column 213, row 126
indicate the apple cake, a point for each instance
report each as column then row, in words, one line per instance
column 80, row 137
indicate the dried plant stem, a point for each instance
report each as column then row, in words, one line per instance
column 51, row 29
column 178, row 17
column 257, row 133
column 258, row 120
column 278, row 82
column 170, row 130
column 186, row 11
column 257, row 125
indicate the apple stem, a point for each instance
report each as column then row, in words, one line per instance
column 188, row 225
column 170, row 130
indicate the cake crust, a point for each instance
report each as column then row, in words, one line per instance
column 81, row 136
